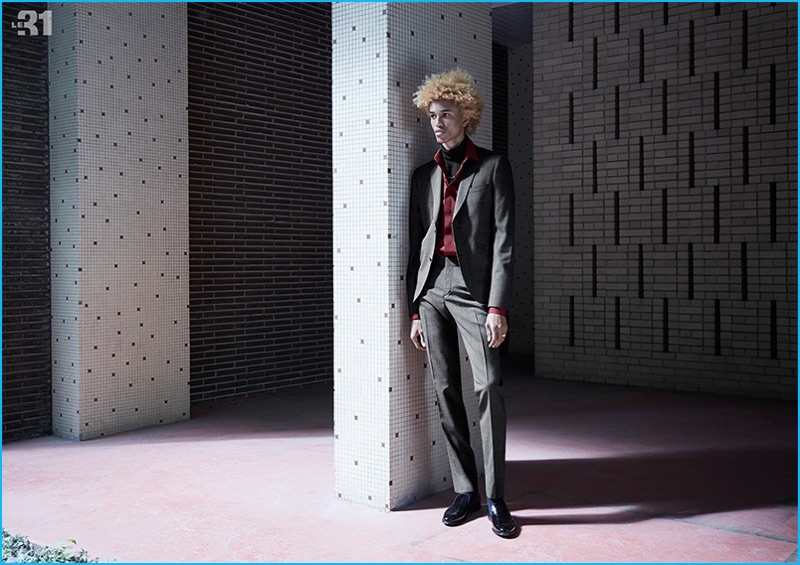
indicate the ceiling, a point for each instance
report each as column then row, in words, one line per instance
column 512, row 23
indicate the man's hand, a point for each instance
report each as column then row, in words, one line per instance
column 417, row 337
column 496, row 329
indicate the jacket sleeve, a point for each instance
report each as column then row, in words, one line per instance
column 500, row 293
column 415, row 234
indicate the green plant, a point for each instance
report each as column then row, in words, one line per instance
column 19, row 549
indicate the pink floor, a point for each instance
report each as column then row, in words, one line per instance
column 595, row 474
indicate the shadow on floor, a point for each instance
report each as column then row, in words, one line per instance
column 639, row 487
column 671, row 485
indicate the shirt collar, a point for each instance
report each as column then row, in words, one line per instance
column 470, row 153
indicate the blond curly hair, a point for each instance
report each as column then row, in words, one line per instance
column 456, row 86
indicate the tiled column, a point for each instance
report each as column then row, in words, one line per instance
column 520, row 153
column 388, row 445
column 119, row 217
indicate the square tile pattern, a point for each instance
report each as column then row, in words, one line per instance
column 388, row 444
column 119, row 217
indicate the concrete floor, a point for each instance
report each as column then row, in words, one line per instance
column 596, row 474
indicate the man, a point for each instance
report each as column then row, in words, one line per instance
column 461, row 224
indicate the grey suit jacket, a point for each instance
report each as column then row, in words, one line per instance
column 483, row 228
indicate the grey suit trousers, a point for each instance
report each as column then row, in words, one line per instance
column 447, row 309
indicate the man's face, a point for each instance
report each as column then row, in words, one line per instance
column 448, row 123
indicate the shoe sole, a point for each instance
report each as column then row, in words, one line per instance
column 506, row 535
column 503, row 533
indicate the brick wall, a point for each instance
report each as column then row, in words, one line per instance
column 26, row 245
column 677, row 270
column 261, row 286
column 665, row 195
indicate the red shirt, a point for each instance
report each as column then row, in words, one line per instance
column 445, row 242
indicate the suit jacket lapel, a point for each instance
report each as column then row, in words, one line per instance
column 437, row 192
column 470, row 170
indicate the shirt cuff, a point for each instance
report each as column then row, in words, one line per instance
column 414, row 317
column 500, row 311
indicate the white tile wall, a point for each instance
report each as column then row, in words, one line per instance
column 388, row 444
column 119, row 217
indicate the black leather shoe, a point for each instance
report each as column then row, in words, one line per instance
column 502, row 522
column 457, row 512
